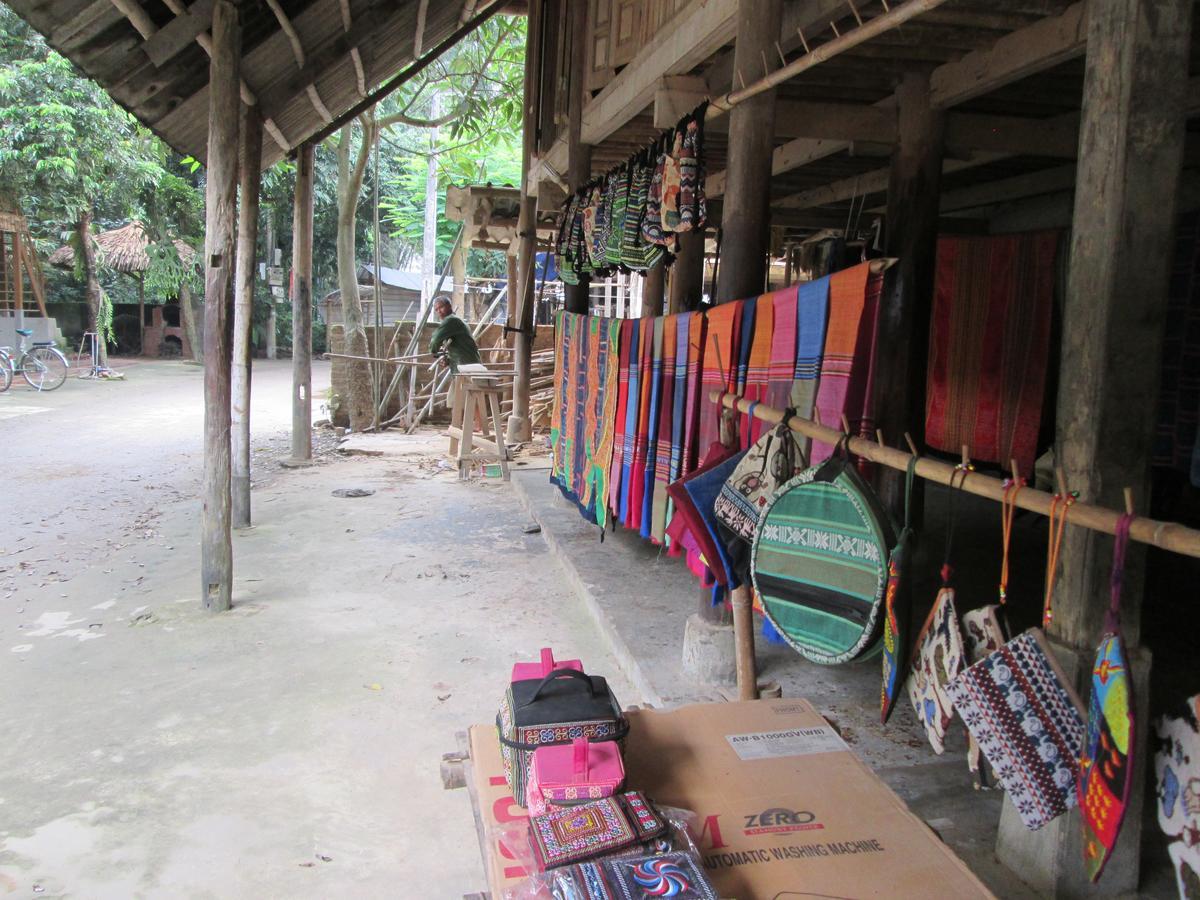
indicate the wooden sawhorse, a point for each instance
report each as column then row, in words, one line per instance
column 477, row 390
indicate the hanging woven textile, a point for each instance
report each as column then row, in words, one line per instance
column 666, row 433
column 620, row 422
column 758, row 364
column 633, row 397
column 849, row 343
column 679, row 406
column 720, row 361
column 781, row 368
column 989, row 345
column 1106, row 769
column 695, row 496
column 641, row 445
column 695, row 402
column 652, row 222
column 693, row 205
column 567, row 416
column 619, row 193
column 898, row 606
column 655, row 420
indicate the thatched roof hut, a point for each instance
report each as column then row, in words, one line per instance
column 122, row 249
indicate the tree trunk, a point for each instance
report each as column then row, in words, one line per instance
column 429, row 273
column 358, row 372
column 91, row 283
column 187, row 312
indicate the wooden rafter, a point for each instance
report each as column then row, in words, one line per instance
column 293, row 37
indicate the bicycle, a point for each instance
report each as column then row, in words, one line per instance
column 5, row 371
column 43, row 367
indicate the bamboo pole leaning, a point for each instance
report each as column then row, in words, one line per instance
column 1165, row 535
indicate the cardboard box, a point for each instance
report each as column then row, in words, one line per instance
column 785, row 808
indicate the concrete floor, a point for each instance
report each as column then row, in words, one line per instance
column 289, row 748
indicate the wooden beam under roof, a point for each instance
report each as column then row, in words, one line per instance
column 1050, row 40
column 179, row 33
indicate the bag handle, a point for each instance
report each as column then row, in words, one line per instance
column 1117, row 580
column 564, row 673
column 1008, row 512
column 580, row 748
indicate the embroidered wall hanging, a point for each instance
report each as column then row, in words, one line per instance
column 1020, row 708
column 1106, row 769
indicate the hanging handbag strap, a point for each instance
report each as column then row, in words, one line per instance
column 1112, row 620
column 1008, row 510
column 1060, row 508
column 909, row 478
column 963, row 469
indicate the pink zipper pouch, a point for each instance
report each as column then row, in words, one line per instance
column 542, row 668
column 574, row 773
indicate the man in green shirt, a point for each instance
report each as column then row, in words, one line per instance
column 454, row 335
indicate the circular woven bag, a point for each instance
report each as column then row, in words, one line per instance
column 819, row 563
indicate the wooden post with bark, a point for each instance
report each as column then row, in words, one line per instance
column 519, row 425
column 902, row 357
column 1131, row 145
column 224, row 112
column 579, row 154
column 87, row 248
column 243, row 312
column 302, row 254
column 746, row 216
column 687, row 275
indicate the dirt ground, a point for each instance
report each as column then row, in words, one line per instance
column 288, row 748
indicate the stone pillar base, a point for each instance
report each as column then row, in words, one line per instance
column 708, row 652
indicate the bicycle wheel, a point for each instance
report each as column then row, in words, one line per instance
column 44, row 368
column 5, row 374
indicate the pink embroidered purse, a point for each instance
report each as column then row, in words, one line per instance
column 547, row 664
column 570, row 774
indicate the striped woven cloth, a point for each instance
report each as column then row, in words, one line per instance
column 989, row 345
column 695, row 402
column 758, row 366
column 641, row 444
column 719, row 367
column 845, row 364
column 601, row 380
column 653, row 421
column 666, row 428
column 629, row 435
column 784, row 306
column 620, row 420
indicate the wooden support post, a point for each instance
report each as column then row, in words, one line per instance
column 746, row 212
column 519, row 424
column 141, row 314
column 220, row 201
column 687, row 275
column 1114, row 321
column 243, row 311
column 743, row 631
column 302, row 254
column 579, row 154
column 653, row 289
column 902, row 357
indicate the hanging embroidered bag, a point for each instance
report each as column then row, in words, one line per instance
column 774, row 459
column 693, row 207
column 620, row 208
column 1106, row 769
column 564, row 705
column 897, row 606
column 940, row 655
column 564, row 836
column 671, row 184
column 652, row 224
column 819, row 562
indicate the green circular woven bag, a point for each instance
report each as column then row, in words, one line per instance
column 819, row 563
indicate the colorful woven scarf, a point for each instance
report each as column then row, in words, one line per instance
column 666, row 429
column 758, row 366
column 620, row 423
column 641, row 447
column 846, row 363
column 696, row 329
column 812, row 317
column 989, row 345
column 600, row 401
column 679, row 403
column 781, row 369
column 655, row 420
column 631, row 418
column 721, row 352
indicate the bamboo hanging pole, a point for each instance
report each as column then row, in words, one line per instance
column 871, row 28
column 1165, row 535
